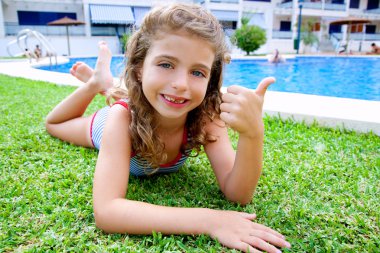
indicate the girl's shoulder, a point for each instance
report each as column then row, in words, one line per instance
column 123, row 102
column 214, row 126
column 121, row 109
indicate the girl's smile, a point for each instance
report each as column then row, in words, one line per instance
column 174, row 101
column 176, row 72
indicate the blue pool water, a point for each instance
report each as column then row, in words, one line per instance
column 347, row 77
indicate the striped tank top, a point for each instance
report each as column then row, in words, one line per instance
column 138, row 165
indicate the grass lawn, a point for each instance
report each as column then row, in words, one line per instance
column 320, row 187
column 12, row 58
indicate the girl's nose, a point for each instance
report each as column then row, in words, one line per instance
column 181, row 81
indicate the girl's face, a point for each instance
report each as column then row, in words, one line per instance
column 175, row 74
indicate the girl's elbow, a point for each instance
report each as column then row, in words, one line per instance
column 242, row 200
column 49, row 127
column 106, row 219
column 102, row 226
column 101, row 221
column 53, row 130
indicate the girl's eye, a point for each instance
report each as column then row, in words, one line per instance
column 165, row 65
column 198, row 73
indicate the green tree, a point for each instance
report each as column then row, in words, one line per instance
column 308, row 37
column 249, row 37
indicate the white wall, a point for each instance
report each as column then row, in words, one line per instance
column 363, row 4
column 2, row 27
column 277, row 20
column 283, row 46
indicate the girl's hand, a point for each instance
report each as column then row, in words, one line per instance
column 242, row 108
column 236, row 230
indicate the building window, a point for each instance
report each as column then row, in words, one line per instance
column 228, row 24
column 373, row 4
column 285, row 26
column 110, row 29
column 316, row 27
column 370, row 29
column 335, row 29
column 354, row 4
column 358, row 28
column 41, row 18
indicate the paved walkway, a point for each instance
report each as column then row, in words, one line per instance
column 358, row 115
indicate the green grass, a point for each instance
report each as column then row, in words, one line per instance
column 320, row 187
column 12, row 57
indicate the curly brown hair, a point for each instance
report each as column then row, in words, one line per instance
column 198, row 22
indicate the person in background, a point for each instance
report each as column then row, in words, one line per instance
column 38, row 52
column 374, row 49
column 276, row 57
column 29, row 54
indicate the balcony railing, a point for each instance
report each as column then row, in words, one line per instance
column 225, row 1
column 217, row 1
column 281, row 34
column 359, row 36
column 375, row 11
column 103, row 31
column 335, row 7
column 315, row 4
column 286, row 4
column 11, row 29
column 312, row 5
column 367, row 36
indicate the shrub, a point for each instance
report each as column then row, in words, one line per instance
column 308, row 36
column 249, row 37
column 123, row 41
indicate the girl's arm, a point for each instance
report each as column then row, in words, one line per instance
column 114, row 213
column 238, row 174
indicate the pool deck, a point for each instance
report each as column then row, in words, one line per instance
column 351, row 114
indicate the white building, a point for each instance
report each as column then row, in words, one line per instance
column 108, row 20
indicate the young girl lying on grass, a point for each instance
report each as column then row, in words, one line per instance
column 172, row 105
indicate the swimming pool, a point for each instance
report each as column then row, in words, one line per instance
column 347, row 77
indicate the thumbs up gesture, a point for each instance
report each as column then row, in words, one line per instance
column 242, row 108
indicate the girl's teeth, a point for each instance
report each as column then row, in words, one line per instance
column 173, row 100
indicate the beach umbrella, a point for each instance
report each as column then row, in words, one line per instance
column 350, row 21
column 66, row 21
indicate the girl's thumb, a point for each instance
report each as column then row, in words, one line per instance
column 263, row 85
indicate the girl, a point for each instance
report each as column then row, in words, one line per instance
column 172, row 105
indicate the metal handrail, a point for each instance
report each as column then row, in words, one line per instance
column 22, row 38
